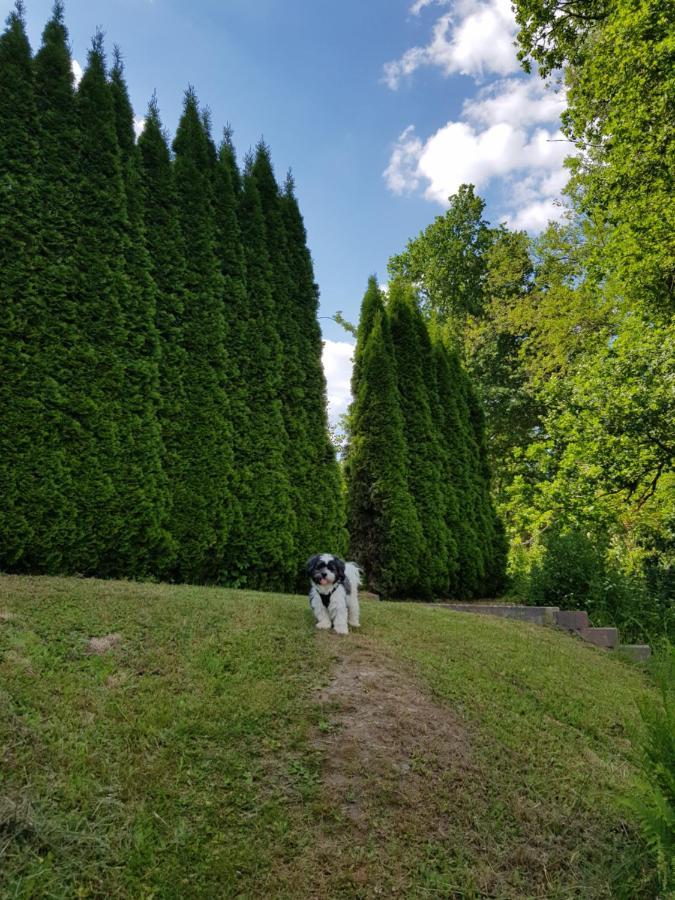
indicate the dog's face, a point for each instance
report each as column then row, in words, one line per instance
column 326, row 569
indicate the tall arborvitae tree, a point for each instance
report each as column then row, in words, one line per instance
column 262, row 553
column 228, row 155
column 462, row 515
column 97, row 362
column 323, row 520
column 29, row 492
column 491, row 529
column 412, row 352
column 142, row 489
column 56, row 283
column 230, row 252
column 291, row 382
column 385, row 533
column 168, row 269
column 201, row 513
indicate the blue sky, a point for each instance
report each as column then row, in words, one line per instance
column 380, row 107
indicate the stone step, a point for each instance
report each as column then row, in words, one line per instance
column 572, row 619
column 601, row 637
column 538, row 615
column 636, row 652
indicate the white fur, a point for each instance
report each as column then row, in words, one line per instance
column 343, row 607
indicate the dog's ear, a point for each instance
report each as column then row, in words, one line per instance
column 311, row 563
column 340, row 566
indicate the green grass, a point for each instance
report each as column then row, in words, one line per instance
column 184, row 763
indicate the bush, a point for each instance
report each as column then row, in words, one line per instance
column 653, row 799
column 575, row 569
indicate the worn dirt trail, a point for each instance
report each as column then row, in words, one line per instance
column 392, row 761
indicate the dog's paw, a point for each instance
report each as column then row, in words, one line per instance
column 323, row 626
column 355, row 624
column 341, row 629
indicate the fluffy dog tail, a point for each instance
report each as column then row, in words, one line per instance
column 353, row 575
column 353, row 579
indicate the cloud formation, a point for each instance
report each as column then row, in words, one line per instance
column 508, row 135
column 474, row 38
column 337, row 366
column 76, row 69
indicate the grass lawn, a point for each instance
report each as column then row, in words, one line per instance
column 221, row 748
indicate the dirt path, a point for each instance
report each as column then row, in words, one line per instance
column 392, row 761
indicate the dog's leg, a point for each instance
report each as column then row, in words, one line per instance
column 339, row 613
column 320, row 612
column 353, row 609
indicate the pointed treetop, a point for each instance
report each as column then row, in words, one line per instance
column 19, row 12
column 190, row 98
column 118, row 60
column 97, row 50
column 248, row 162
column 289, row 185
column 58, row 10
column 153, row 108
column 228, row 136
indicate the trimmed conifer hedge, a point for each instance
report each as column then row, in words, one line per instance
column 163, row 401
column 420, row 516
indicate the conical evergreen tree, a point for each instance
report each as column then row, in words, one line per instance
column 201, row 513
column 29, row 468
column 291, row 382
column 142, row 489
column 230, row 252
column 371, row 307
column 412, row 352
column 228, row 155
column 97, row 363
column 262, row 551
column 56, row 276
column 385, row 533
column 322, row 524
column 166, row 250
column 495, row 548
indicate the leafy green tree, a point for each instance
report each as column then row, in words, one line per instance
column 447, row 260
column 201, row 513
column 32, row 508
column 385, row 532
column 415, row 381
column 166, row 250
column 262, row 550
column 143, row 491
column 619, row 75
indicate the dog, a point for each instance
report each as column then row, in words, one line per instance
column 334, row 592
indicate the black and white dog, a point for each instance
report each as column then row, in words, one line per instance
column 334, row 592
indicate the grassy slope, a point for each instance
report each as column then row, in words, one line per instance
column 181, row 763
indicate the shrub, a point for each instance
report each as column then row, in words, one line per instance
column 653, row 798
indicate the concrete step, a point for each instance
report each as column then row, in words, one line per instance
column 572, row 619
column 538, row 615
column 636, row 652
column 601, row 637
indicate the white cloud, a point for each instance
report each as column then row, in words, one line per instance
column 419, row 5
column 337, row 367
column 458, row 154
column 519, row 101
column 475, row 37
column 536, row 216
column 76, row 69
column 139, row 125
